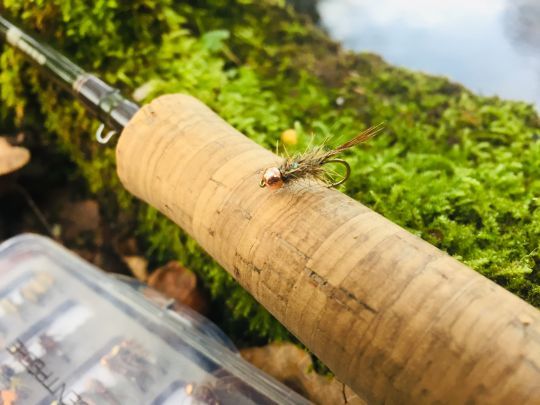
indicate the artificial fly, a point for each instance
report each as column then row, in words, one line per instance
column 310, row 164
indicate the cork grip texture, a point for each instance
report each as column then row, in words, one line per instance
column 393, row 317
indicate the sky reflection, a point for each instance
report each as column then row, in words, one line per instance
column 491, row 46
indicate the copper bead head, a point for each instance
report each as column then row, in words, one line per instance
column 272, row 178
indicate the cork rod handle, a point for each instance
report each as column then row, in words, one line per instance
column 392, row 316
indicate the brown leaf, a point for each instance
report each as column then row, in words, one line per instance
column 292, row 366
column 12, row 158
column 175, row 281
column 78, row 218
column 138, row 266
column 126, row 246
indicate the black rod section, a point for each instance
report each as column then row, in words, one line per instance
column 104, row 101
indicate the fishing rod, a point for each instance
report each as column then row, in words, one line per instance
column 105, row 102
column 393, row 317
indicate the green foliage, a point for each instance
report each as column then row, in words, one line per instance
column 459, row 170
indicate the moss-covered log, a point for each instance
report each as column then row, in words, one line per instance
column 459, row 170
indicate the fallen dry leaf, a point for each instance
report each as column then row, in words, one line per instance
column 292, row 366
column 175, row 281
column 78, row 218
column 126, row 246
column 12, row 158
column 138, row 266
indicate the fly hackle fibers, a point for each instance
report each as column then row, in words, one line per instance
column 315, row 164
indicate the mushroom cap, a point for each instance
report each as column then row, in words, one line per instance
column 12, row 158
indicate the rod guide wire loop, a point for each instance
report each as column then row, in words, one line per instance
column 103, row 139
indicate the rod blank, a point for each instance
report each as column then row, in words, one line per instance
column 102, row 100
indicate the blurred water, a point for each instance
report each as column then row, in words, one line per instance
column 491, row 46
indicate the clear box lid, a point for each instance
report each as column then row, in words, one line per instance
column 71, row 334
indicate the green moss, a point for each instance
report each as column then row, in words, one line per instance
column 457, row 169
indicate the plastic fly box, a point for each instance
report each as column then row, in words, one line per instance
column 71, row 334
